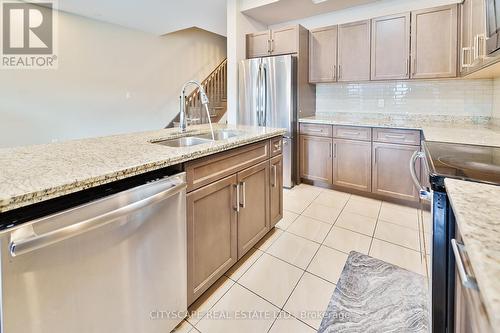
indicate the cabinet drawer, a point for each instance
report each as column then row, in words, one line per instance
column 206, row 170
column 316, row 129
column 406, row 137
column 276, row 146
column 352, row 133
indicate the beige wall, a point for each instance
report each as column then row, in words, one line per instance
column 110, row 80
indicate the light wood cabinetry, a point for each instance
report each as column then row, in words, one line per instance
column 258, row 44
column 390, row 52
column 276, row 190
column 253, row 214
column 473, row 36
column 323, row 55
column 354, row 51
column 232, row 198
column 352, row 164
column 391, row 173
column 211, row 229
column 434, row 42
column 316, row 158
column 273, row 42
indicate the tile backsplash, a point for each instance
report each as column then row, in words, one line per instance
column 450, row 97
column 496, row 102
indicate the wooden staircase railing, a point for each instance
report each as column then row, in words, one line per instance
column 215, row 85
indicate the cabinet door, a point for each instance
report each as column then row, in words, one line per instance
column 391, row 171
column 258, row 44
column 253, row 216
column 323, row 55
column 354, row 51
column 465, row 50
column 478, row 32
column 352, row 164
column 285, row 40
column 390, row 47
column 276, row 190
column 211, row 232
column 434, row 42
column 316, row 158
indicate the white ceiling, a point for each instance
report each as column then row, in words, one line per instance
column 155, row 16
column 277, row 11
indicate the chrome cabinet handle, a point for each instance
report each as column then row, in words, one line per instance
column 407, row 65
column 237, row 208
column 340, row 72
column 335, row 150
column 467, row 280
column 243, row 195
column 274, row 176
column 351, row 133
column 25, row 240
column 414, row 69
column 330, row 149
column 463, row 62
column 395, row 136
column 268, row 46
column 423, row 192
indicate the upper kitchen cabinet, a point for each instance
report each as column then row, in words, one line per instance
column 354, row 51
column 473, row 36
column 390, row 52
column 258, row 44
column 323, row 55
column 274, row 42
column 434, row 42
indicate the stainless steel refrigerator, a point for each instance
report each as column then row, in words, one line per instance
column 267, row 97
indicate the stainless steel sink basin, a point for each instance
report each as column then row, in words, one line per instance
column 185, row 141
column 220, row 135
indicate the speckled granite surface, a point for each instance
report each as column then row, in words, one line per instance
column 477, row 211
column 32, row 174
column 375, row 296
column 466, row 130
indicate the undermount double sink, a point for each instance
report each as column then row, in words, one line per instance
column 197, row 139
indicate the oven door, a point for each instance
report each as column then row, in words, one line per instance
column 493, row 26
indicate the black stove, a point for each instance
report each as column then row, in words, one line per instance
column 466, row 162
column 451, row 160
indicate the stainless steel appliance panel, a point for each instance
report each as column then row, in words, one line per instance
column 288, row 162
column 279, row 94
column 117, row 264
column 250, row 82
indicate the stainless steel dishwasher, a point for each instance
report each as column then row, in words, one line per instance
column 117, row 264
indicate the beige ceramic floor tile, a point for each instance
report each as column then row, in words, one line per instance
column 309, row 299
column 268, row 239
column 406, row 217
column 184, row 327
column 308, row 188
column 346, row 240
column 295, row 204
column 272, row 279
column 356, row 222
column 294, row 249
column 286, row 221
column 397, row 255
column 397, row 234
column 322, row 213
column 332, row 199
column 365, row 199
column 328, row 264
column 227, row 314
column 309, row 228
column 286, row 323
column 206, row 301
column 362, row 207
column 238, row 269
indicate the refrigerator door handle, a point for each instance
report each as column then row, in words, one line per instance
column 259, row 84
column 264, row 104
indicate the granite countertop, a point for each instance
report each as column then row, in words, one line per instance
column 440, row 129
column 477, row 211
column 31, row 174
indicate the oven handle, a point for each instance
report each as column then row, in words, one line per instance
column 468, row 281
column 26, row 240
column 424, row 192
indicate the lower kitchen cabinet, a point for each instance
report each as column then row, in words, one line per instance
column 316, row 158
column 352, row 164
column 276, row 190
column 391, row 171
column 253, row 215
column 212, row 234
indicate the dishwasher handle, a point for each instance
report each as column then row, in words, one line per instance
column 423, row 192
column 25, row 240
